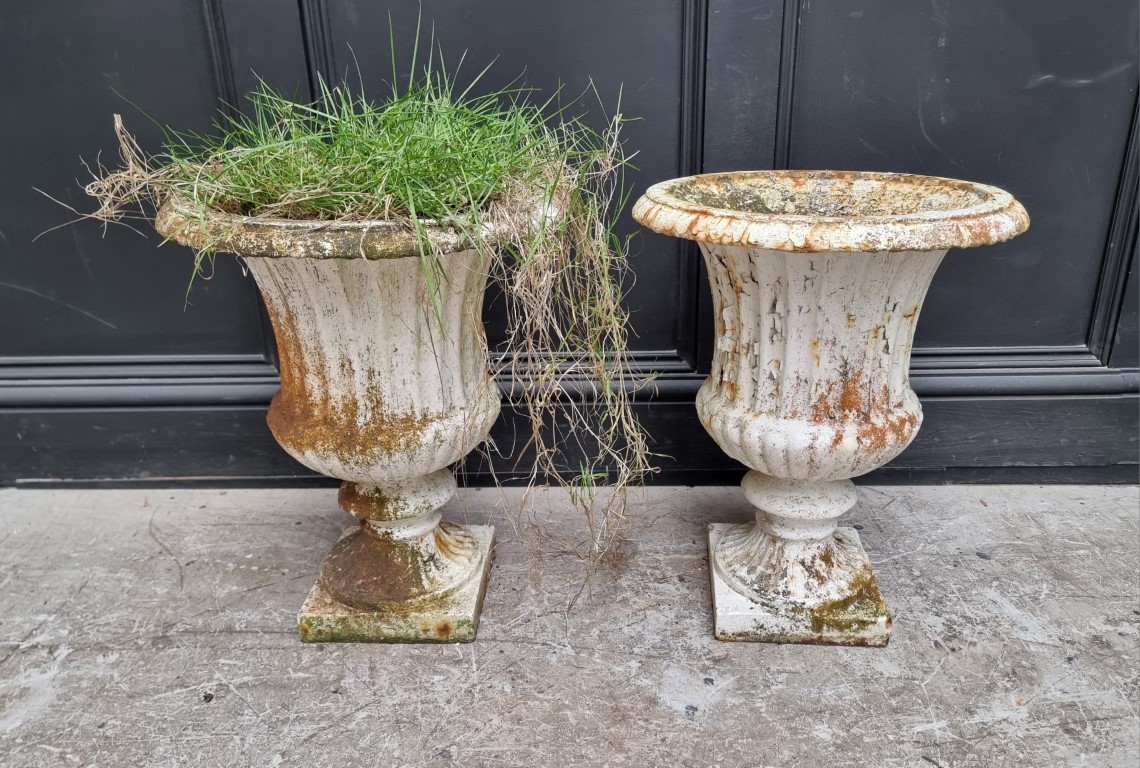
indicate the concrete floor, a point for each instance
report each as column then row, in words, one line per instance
column 154, row 627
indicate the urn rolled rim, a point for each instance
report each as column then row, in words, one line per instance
column 179, row 220
column 820, row 211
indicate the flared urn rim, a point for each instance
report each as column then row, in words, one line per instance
column 827, row 211
column 179, row 220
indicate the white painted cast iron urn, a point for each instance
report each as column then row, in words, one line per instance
column 817, row 281
column 384, row 389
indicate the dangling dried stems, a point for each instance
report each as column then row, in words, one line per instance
column 547, row 186
column 130, row 185
column 567, row 334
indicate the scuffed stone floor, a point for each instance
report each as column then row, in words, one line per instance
column 156, row 628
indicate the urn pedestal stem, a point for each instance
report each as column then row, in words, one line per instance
column 817, row 279
column 793, row 575
column 401, row 554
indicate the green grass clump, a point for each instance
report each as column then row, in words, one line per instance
column 426, row 152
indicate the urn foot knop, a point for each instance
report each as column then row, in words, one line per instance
column 402, row 575
column 452, row 617
column 792, row 576
column 857, row 617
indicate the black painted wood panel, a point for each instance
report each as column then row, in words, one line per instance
column 1035, row 96
column 743, row 85
column 76, row 291
column 263, row 40
column 1126, row 346
column 1038, row 439
column 1029, row 351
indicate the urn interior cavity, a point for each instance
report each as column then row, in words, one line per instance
column 830, row 194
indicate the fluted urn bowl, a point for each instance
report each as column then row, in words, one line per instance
column 383, row 386
column 818, row 278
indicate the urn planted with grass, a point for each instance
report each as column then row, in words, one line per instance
column 817, row 279
column 381, row 393
column 371, row 230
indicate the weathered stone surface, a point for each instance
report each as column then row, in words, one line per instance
column 158, row 628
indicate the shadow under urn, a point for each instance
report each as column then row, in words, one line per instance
column 378, row 391
column 817, row 281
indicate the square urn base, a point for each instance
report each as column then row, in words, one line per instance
column 864, row 622
column 453, row 619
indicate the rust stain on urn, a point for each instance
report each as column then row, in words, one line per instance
column 880, row 425
column 290, row 352
column 369, row 503
column 310, row 421
column 366, row 573
column 839, row 400
column 337, row 428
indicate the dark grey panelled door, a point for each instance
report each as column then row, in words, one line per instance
column 1027, row 352
column 1016, row 357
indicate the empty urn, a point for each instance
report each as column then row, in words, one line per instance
column 817, row 278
